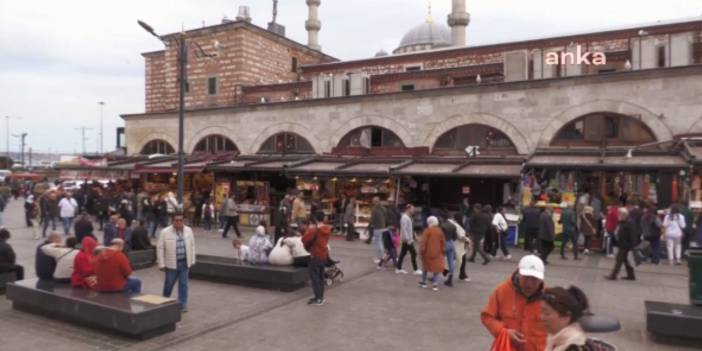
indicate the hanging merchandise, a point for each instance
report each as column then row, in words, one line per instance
column 645, row 188
column 674, row 194
column 570, row 183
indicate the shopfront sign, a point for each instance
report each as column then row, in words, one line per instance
column 466, row 190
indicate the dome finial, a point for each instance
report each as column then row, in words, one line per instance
column 429, row 19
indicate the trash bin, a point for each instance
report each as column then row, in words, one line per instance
column 694, row 263
column 512, row 235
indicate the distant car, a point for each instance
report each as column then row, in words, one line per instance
column 4, row 173
column 72, row 185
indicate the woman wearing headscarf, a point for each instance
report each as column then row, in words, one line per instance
column 83, row 267
column 259, row 246
column 560, row 313
column 432, row 248
column 588, row 226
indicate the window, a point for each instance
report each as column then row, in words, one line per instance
column 370, row 137
column 559, row 67
column 286, row 143
column 215, row 144
column 407, row 87
column 487, row 138
column 157, row 146
column 187, row 87
column 413, row 68
column 604, row 128
column 661, row 56
column 347, row 87
column 366, row 85
column 607, row 70
column 294, row 64
column 327, row 88
column 212, row 85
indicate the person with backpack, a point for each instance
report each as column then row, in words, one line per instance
column 626, row 236
column 651, row 228
column 588, row 227
column 500, row 226
column 315, row 241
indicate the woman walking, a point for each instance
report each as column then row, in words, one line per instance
column 674, row 224
column 432, row 250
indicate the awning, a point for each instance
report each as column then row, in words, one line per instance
column 428, row 169
column 493, row 170
column 317, row 167
column 490, row 170
column 638, row 162
column 368, row 168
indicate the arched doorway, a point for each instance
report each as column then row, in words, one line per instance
column 371, row 137
column 157, row 146
column 490, row 141
column 215, row 144
column 286, row 143
column 603, row 129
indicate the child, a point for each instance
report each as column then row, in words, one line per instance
column 241, row 252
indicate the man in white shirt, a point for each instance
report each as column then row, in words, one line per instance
column 175, row 253
column 500, row 224
column 68, row 208
column 64, row 256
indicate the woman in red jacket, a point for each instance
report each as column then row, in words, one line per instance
column 83, row 269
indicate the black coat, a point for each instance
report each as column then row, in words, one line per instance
column 547, row 229
column 140, row 239
column 479, row 224
column 531, row 218
column 7, row 254
column 626, row 234
column 44, row 264
column 83, row 228
column 449, row 231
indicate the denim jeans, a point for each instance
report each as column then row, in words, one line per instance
column 46, row 224
column 67, row 222
column 450, row 256
column 181, row 275
column 378, row 242
column 316, row 271
column 133, row 286
column 434, row 278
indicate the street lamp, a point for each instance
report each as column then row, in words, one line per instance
column 179, row 41
column 102, row 104
column 21, row 137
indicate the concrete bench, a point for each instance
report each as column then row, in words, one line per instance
column 7, row 277
column 140, row 259
column 228, row 270
column 114, row 312
column 674, row 320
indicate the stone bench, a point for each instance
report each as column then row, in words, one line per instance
column 228, row 270
column 674, row 320
column 140, row 259
column 7, row 277
column 114, row 312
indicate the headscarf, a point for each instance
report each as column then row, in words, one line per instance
column 432, row 221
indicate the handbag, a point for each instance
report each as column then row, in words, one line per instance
column 502, row 342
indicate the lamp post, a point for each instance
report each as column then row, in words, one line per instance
column 21, row 137
column 102, row 104
column 182, row 62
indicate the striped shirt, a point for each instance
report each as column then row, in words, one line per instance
column 180, row 248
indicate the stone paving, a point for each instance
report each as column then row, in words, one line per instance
column 376, row 310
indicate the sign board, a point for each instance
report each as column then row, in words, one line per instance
column 466, row 190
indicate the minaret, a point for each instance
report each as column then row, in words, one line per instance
column 313, row 25
column 458, row 21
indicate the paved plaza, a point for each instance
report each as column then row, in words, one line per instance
column 370, row 310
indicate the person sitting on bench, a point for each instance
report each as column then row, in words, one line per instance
column 112, row 270
column 241, row 251
column 259, row 246
column 8, row 258
column 140, row 237
column 84, row 265
column 65, row 256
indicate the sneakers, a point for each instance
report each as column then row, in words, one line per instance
column 587, row 252
column 434, row 288
column 318, row 302
column 508, row 257
column 400, row 271
column 423, row 285
column 376, row 260
column 380, row 268
column 466, row 279
column 418, row 272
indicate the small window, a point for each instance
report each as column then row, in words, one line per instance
column 212, row 85
column 366, row 85
column 661, row 56
column 187, row 87
column 607, row 70
column 294, row 64
column 327, row 88
column 347, row 87
column 407, row 87
column 413, row 68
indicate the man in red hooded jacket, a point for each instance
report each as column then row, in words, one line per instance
column 112, row 270
column 317, row 238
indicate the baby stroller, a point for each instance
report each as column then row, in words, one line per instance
column 332, row 272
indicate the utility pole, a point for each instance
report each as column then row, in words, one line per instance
column 21, row 137
column 83, row 138
column 30, row 157
column 102, row 104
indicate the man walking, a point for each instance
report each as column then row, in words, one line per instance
column 515, row 306
column 316, row 239
column 570, row 231
column 378, row 222
column 407, row 238
column 350, row 219
column 68, row 207
column 231, row 216
column 546, row 233
column 479, row 224
column 626, row 236
column 175, row 253
column 49, row 211
column 530, row 219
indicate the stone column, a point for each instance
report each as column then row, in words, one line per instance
column 313, row 25
column 458, row 21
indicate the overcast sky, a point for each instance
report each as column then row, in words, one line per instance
column 59, row 58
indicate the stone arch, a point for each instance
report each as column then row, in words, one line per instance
column 521, row 143
column 204, row 132
column 378, row 121
column 289, row 127
column 659, row 129
column 154, row 136
column 696, row 126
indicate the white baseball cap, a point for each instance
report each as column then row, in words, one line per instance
column 531, row 266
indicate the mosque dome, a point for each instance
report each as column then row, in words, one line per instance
column 426, row 36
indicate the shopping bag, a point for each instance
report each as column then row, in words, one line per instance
column 502, row 342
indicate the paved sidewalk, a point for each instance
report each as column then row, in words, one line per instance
column 370, row 310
